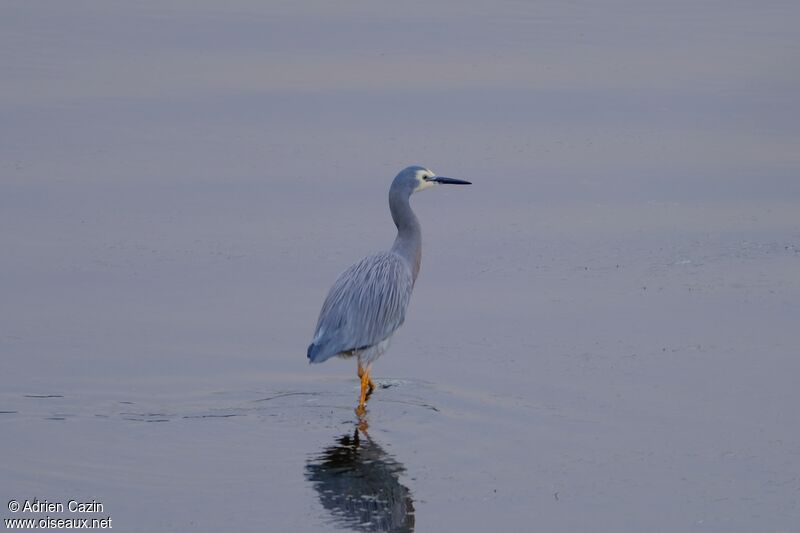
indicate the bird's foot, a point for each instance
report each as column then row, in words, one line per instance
column 362, row 398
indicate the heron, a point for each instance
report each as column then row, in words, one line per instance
column 368, row 302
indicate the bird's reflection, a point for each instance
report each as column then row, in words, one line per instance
column 359, row 484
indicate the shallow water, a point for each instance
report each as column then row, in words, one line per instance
column 603, row 334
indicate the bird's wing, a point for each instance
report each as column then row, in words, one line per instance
column 365, row 306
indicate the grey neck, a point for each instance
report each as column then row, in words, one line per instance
column 408, row 243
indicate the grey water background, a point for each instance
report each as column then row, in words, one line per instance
column 604, row 333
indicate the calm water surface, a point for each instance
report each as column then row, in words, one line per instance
column 604, row 333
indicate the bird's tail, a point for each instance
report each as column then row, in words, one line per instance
column 316, row 353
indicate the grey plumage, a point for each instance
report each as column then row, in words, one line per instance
column 368, row 302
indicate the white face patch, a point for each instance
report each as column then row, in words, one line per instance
column 422, row 184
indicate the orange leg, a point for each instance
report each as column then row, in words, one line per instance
column 367, row 386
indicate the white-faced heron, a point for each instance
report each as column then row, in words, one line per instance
column 368, row 301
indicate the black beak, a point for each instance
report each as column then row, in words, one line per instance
column 451, row 181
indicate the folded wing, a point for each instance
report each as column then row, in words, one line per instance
column 366, row 304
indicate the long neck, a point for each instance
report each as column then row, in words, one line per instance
column 408, row 243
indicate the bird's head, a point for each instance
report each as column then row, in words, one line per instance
column 414, row 179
